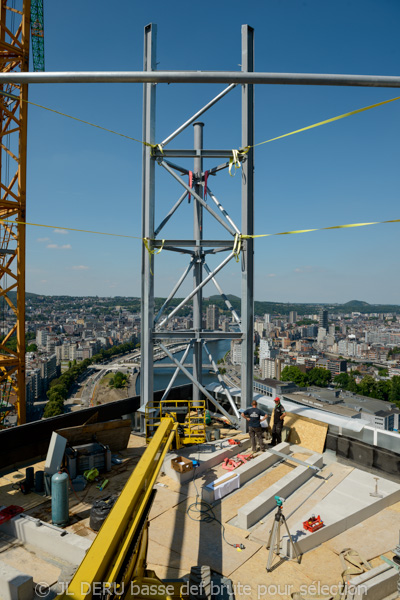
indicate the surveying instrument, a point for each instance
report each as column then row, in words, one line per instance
column 274, row 540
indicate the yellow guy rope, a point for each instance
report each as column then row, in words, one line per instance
column 133, row 237
column 349, row 114
column 320, row 229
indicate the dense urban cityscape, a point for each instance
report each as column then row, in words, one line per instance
column 348, row 361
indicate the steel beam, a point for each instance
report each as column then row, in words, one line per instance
column 148, row 198
column 174, row 290
column 222, row 382
column 176, row 372
column 229, row 77
column 247, row 325
column 192, row 153
column 196, row 196
column 199, row 385
column 198, row 261
column 197, row 289
column 197, row 115
column 223, row 296
column 191, row 243
column 189, row 334
column 171, row 212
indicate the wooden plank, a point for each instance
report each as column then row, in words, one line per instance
column 114, row 434
column 305, row 432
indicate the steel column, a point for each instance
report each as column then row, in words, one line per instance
column 148, row 198
column 198, row 262
column 247, row 221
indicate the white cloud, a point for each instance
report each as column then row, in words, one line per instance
column 43, row 240
column 62, row 231
column 43, row 281
column 79, row 268
column 271, row 274
column 57, row 247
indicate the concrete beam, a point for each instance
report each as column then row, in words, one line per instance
column 251, row 469
column 15, row 585
column 261, row 463
column 376, row 584
column 69, row 547
column 249, row 514
column 208, row 455
column 347, row 505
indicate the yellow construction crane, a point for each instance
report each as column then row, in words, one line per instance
column 14, row 57
column 17, row 18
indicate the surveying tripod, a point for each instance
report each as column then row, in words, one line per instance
column 274, row 540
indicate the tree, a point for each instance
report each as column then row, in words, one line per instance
column 119, row 380
column 367, row 386
column 352, row 385
column 383, row 390
column 320, row 377
column 342, row 380
column 394, row 394
column 383, row 372
column 294, row 374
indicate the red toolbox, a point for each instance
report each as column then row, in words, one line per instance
column 9, row 512
column 313, row 524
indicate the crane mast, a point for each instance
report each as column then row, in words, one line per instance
column 14, row 57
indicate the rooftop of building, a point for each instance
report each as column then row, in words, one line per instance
column 178, row 540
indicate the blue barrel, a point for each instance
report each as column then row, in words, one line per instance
column 59, row 499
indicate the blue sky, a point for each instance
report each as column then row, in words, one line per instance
column 345, row 172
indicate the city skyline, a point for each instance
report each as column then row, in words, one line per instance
column 82, row 178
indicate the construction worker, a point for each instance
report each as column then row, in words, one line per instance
column 254, row 416
column 277, row 425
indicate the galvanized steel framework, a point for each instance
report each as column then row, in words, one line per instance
column 14, row 45
column 197, row 249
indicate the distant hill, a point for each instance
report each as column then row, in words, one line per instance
column 359, row 303
column 260, row 307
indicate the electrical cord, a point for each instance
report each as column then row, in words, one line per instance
column 206, row 514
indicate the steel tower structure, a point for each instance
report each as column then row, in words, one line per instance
column 197, row 249
column 14, row 57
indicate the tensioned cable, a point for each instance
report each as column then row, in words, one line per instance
column 57, row 112
column 242, row 236
column 134, row 237
column 242, row 151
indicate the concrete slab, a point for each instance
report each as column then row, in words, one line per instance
column 208, row 455
column 249, row 514
column 347, row 505
column 68, row 547
column 14, row 585
column 339, row 472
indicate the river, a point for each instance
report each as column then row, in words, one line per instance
column 162, row 377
